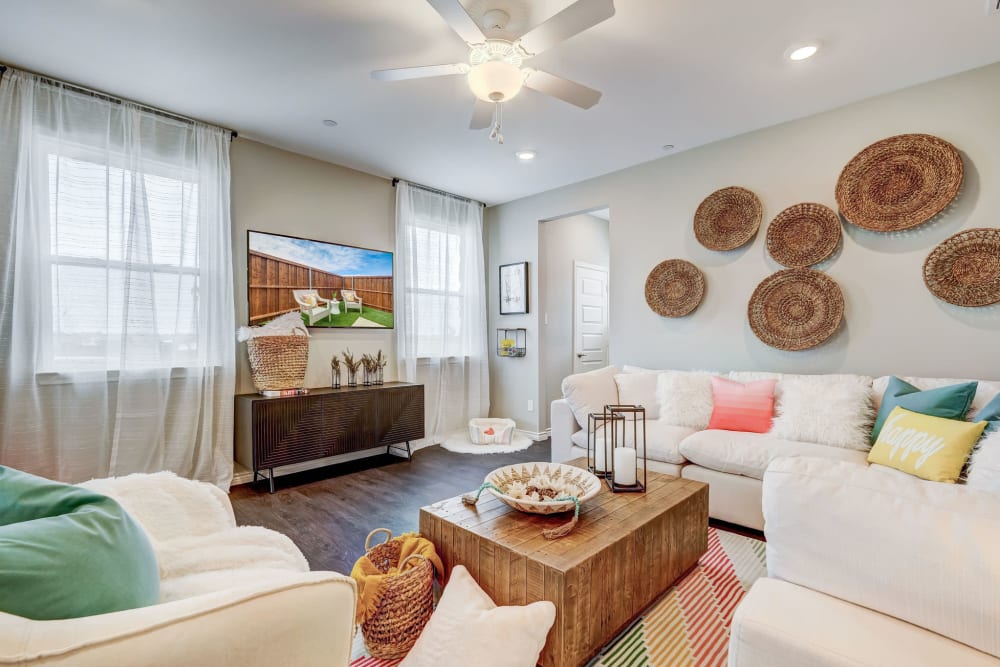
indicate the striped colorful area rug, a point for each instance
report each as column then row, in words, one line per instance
column 689, row 625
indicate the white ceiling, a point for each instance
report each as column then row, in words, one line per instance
column 684, row 72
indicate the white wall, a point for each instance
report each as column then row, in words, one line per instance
column 892, row 323
column 561, row 242
column 278, row 191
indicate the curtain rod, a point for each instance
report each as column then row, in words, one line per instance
column 440, row 192
column 121, row 100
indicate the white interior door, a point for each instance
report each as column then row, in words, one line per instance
column 590, row 317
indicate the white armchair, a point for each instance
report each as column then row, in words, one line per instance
column 351, row 300
column 313, row 306
column 265, row 613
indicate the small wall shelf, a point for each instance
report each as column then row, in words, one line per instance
column 512, row 342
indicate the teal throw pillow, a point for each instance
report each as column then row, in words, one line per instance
column 951, row 402
column 66, row 552
column 990, row 414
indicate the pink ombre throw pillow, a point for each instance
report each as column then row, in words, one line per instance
column 742, row 407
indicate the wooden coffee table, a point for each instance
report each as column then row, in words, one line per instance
column 627, row 550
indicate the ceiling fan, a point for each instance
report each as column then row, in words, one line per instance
column 496, row 68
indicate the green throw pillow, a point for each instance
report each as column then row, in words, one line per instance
column 951, row 402
column 66, row 552
column 990, row 414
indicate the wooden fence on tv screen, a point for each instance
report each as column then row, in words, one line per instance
column 271, row 281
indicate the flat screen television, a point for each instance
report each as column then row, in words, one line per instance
column 330, row 285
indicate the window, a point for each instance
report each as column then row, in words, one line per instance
column 436, row 289
column 122, row 264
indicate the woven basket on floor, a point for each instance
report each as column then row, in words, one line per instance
column 728, row 218
column 278, row 362
column 406, row 603
column 965, row 268
column 899, row 182
column 803, row 235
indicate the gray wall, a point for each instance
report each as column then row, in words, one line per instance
column 561, row 242
column 277, row 191
column 892, row 323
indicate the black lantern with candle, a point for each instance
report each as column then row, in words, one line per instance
column 622, row 461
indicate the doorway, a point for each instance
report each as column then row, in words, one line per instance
column 573, row 280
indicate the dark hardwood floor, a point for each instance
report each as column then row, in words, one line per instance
column 328, row 512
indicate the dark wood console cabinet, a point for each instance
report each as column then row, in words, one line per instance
column 279, row 431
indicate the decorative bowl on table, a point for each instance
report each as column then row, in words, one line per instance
column 535, row 487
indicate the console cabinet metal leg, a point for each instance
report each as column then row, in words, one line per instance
column 279, row 431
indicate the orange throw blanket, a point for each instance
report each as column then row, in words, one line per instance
column 371, row 581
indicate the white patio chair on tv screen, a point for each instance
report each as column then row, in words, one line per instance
column 351, row 300
column 313, row 306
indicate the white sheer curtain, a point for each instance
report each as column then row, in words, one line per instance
column 117, row 321
column 441, row 305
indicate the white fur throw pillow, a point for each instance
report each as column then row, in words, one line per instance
column 984, row 466
column 467, row 628
column 827, row 411
column 590, row 392
column 685, row 398
column 639, row 389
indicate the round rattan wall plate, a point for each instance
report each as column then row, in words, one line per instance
column 727, row 218
column 965, row 269
column 899, row 182
column 674, row 288
column 796, row 309
column 803, row 235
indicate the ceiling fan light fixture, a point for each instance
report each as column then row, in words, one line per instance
column 496, row 81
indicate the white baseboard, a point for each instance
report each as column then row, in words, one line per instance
column 536, row 436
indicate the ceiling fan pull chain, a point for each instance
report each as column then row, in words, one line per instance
column 497, row 133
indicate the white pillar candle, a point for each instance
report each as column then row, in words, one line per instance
column 600, row 456
column 624, row 466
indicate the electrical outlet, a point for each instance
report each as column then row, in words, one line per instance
column 992, row 7
column 531, row 405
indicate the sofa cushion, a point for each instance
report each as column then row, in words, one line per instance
column 664, row 440
column 589, row 392
column 985, row 392
column 932, row 448
column 639, row 389
column 66, row 552
column 991, row 414
column 950, row 402
column 685, row 398
column 749, row 454
column 742, row 407
column 984, row 466
column 825, row 409
column 782, row 378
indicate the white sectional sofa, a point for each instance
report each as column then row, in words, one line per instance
column 732, row 463
column 870, row 566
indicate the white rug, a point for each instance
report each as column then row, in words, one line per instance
column 460, row 443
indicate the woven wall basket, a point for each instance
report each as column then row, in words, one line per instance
column 965, row 269
column 899, row 182
column 796, row 309
column 674, row 288
column 803, row 235
column 728, row 218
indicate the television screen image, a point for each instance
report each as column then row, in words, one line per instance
column 328, row 284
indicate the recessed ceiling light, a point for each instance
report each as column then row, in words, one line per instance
column 668, row 147
column 526, row 155
column 803, row 52
column 330, row 123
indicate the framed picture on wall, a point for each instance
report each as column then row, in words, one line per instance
column 514, row 289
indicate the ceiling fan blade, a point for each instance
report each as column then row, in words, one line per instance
column 576, row 94
column 404, row 73
column 482, row 115
column 455, row 15
column 573, row 20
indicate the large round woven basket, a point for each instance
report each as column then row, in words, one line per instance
column 674, row 288
column 406, row 604
column 796, row 309
column 965, row 268
column 803, row 235
column 278, row 362
column 728, row 218
column 584, row 480
column 899, row 182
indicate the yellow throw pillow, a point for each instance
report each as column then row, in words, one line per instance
column 309, row 300
column 933, row 448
